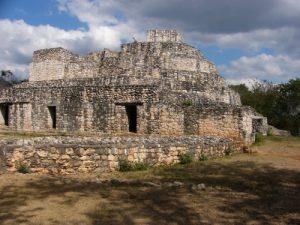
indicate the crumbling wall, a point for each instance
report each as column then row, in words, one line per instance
column 163, row 60
column 249, row 122
column 212, row 120
column 20, row 116
column 79, row 107
column 162, row 86
column 65, row 155
column 164, row 36
column 59, row 63
column 49, row 64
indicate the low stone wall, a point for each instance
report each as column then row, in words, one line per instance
column 66, row 155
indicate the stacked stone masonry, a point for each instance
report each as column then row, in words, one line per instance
column 66, row 155
column 162, row 86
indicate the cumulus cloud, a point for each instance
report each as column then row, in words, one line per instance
column 248, row 25
column 278, row 68
column 281, row 40
column 251, row 26
column 214, row 16
column 21, row 39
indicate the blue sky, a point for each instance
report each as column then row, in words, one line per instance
column 38, row 12
column 245, row 39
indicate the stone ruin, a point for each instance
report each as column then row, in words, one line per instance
column 162, row 87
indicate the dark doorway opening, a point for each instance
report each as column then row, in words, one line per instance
column 52, row 111
column 257, row 124
column 131, row 111
column 5, row 114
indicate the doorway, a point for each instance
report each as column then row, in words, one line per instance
column 131, row 111
column 4, row 114
column 52, row 112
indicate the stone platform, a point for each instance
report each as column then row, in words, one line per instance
column 69, row 155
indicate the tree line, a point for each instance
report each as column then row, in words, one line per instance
column 279, row 103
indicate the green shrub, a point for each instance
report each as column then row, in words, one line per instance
column 23, row 168
column 186, row 158
column 259, row 138
column 203, row 157
column 228, row 151
column 187, row 103
column 125, row 165
column 140, row 166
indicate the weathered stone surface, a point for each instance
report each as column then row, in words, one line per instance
column 66, row 159
column 162, row 86
column 277, row 132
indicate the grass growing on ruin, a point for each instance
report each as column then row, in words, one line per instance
column 9, row 134
column 261, row 187
column 125, row 166
column 28, row 134
column 259, row 139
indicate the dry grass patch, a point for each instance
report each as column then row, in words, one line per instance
column 260, row 188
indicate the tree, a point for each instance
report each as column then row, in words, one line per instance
column 289, row 105
column 279, row 103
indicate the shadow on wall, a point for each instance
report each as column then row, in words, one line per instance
column 238, row 192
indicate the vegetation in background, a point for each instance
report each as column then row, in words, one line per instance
column 187, row 103
column 279, row 103
column 228, row 151
column 23, row 168
column 125, row 165
column 186, row 158
column 203, row 157
column 259, row 138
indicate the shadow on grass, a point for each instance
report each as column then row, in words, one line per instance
column 117, row 204
column 275, row 197
column 276, row 191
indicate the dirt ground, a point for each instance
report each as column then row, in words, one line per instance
column 261, row 187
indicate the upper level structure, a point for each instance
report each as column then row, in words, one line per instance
column 164, row 60
column 164, row 36
column 160, row 86
column 163, row 51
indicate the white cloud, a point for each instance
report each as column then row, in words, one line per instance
column 281, row 40
column 20, row 39
column 247, row 25
column 91, row 12
column 263, row 67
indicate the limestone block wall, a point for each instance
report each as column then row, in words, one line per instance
column 21, row 117
column 59, row 63
column 171, row 121
column 213, row 120
column 198, row 86
column 225, row 125
column 64, row 107
column 165, row 56
column 65, row 155
column 249, row 123
column 49, row 64
column 91, row 105
column 172, row 65
column 47, row 70
column 136, row 59
column 164, row 36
